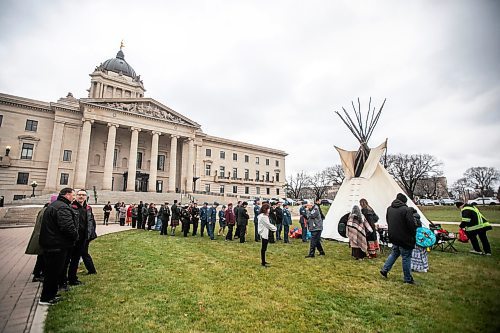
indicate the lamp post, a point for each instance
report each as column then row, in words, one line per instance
column 34, row 185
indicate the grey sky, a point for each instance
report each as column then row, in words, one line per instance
column 273, row 72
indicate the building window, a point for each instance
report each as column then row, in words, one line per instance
column 222, row 155
column 221, row 189
column 159, row 186
column 235, row 189
column 208, row 152
column 257, row 190
column 277, row 191
column 19, row 196
column 235, row 157
column 139, row 160
column 247, row 174
column 67, row 156
column 115, row 157
column 267, row 161
column 208, row 169
column 277, row 177
column 31, row 125
column 1, row 120
column 161, row 162
column 27, row 151
column 235, row 173
column 207, row 188
column 64, row 179
column 267, row 176
column 277, row 163
column 247, row 158
column 257, row 175
column 268, row 190
column 247, row 190
column 257, row 160
column 22, row 178
column 222, row 171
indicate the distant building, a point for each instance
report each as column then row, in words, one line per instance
column 119, row 140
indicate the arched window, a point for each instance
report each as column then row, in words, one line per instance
column 124, row 162
column 97, row 159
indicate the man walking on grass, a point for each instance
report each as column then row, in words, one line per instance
column 402, row 232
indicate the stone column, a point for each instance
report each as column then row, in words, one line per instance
column 54, row 156
column 108, row 162
column 153, row 166
column 132, row 158
column 172, row 164
column 83, row 155
column 190, row 166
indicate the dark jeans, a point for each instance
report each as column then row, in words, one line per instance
column 256, row 231
column 243, row 231
column 185, row 227
column 87, row 259
column 304, row 232
column 315, row 243
column 106, row 218
column 164, row 228
column 482, row 236
column 211, row 227
column 144, row 220
column 39, row 266
column 139, row 221
column 204, row 224
column 195, row 225
column 279, row 227
column 229, row 235
column 405, row 256
column 263, row 250
column 134, row 221
column 286, row 230
column 122, row 221
column 76, row 253
column 54, row 265
column 237, row 232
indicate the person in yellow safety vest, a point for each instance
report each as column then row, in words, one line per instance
column 475, row 224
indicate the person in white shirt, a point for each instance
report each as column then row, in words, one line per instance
column 265, row 227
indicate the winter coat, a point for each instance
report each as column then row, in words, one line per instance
column 243, row 217
column 302, row 213
column 129, row 211
column 230, row 218
column 279, row 215
column 287, row 217
column 86, row 221
column 264, row 226
column 195, row 214
column 33, row 246
column 107, row 208
column 222, row 216
column 204, row 213
column 314, row 221
column 256, row 212
column 135, row 211
column 212, row 215
column 59, row 228
column 123, row 212
column 401, row 224
column 165, row 213
column 175, row 212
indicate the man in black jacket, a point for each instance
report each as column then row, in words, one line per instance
column 402, row 232
column 165, row 217
column 242, row 220
column 58, row 234
column 278, row 212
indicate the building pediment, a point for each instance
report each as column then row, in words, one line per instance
column 146, row 107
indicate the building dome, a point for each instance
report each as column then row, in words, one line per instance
column 119, row 65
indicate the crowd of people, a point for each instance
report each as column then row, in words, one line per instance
column 65, row 227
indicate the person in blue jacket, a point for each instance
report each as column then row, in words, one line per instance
column 212, row 219
column 287, row 222
column 204, row 218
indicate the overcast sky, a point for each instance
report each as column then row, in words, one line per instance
column 272, row 73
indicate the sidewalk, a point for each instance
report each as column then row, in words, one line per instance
column 19, row 310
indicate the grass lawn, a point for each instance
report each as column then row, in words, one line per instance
column 152, row 283
column 452, row 214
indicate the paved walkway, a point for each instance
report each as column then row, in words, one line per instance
column 19, row 310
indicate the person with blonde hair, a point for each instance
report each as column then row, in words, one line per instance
column 371, row 237
column 357, row 228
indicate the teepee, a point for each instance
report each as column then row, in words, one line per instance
column 365, row 177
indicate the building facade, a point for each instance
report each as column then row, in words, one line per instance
column 119, row 140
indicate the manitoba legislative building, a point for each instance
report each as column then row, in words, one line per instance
column 119, row 140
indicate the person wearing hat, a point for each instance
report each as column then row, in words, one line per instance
column 475, row 224
column 287, row 222
column 222, row 221
column 195, row 217
column 204, row 218
column 402, row 234
column 185, row 219
column 212, row 219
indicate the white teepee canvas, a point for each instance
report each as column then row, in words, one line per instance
column 374, row 184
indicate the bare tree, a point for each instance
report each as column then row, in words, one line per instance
column 295, row 185
column 481, row 178
column 319, row 184
column 460, row 186
column 335, row 174
column 409, row 169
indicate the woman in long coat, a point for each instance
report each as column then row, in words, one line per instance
column 371, row 237
column 357, row 227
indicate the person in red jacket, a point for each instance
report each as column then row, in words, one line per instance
column 230, row 221
column 129, row 214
